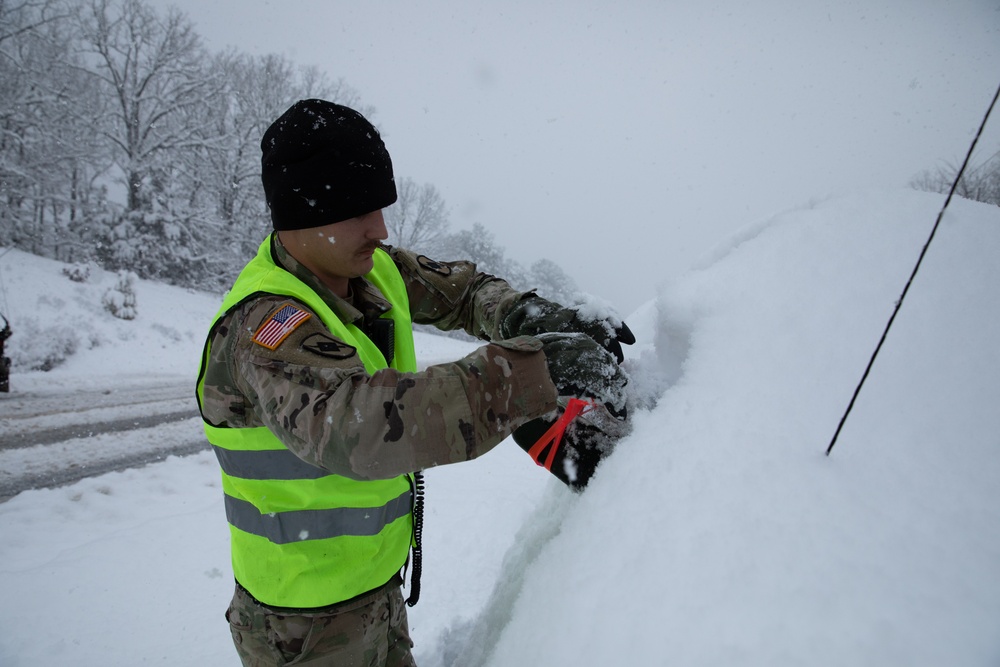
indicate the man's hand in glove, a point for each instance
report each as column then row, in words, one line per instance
column 534, row 315
column 580, row 368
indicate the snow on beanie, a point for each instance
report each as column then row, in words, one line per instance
column 321, row 163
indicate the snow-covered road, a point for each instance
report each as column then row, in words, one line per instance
column 53, row 438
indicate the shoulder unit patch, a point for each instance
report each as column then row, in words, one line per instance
column 327, row 346
column 432, row 265
column 279, row 325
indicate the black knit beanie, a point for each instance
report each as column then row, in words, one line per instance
column 321, row 163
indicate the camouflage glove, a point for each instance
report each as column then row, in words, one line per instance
column 579, row 367
column 534, row 315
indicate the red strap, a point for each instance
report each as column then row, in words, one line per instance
column 553, row 436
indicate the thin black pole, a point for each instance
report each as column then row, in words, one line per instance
column 913, row 275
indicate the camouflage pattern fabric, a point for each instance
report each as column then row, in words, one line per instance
column 368, row 631
column 453, row 295
column 313, row 392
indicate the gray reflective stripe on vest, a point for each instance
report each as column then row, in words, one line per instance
column 299, row 525
column 266, row 464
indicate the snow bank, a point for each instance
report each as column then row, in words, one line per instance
column 720, row 534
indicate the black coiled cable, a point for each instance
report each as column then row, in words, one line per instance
column 418, row 530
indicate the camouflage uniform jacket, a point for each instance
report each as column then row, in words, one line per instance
column 322, row 404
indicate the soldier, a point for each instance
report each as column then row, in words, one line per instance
column 311, row 397
column 5, row 333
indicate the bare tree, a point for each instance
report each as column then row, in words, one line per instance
column 150, row 68
column 553, row 283
column 252, row 91
column 419, row 218
column 47, row 149
column 480, row 246
column 20, row 17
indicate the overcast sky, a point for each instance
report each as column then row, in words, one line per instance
column 613, row 137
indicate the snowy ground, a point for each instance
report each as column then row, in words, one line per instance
column 718, row 534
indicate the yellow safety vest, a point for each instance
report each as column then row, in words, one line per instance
column 301, row 536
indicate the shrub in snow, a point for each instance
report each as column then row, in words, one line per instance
column 38, row 349
column 78, row 273
column 120, row 300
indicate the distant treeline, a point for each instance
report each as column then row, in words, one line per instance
column 126, row 143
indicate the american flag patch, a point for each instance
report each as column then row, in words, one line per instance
column 282, row 322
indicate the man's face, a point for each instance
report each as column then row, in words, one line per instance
column 339, row 251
